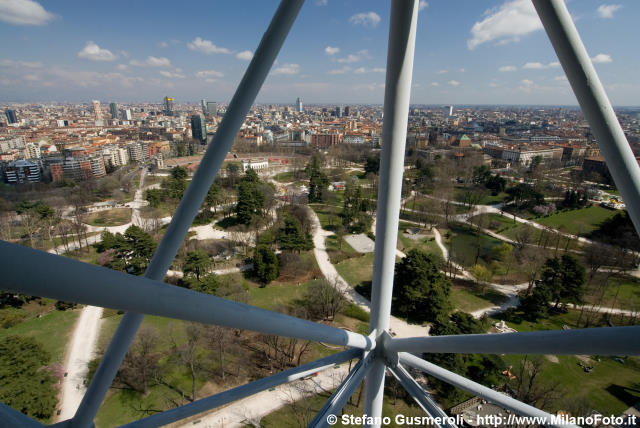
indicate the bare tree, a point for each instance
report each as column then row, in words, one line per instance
column 529, row 387
column 324, row 300
column 141, row 361
column 189, row 353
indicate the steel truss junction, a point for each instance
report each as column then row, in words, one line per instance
column 37, row 273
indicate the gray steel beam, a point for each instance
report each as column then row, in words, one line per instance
column 480, row 390
column 65, row 279
column 243, row 391
column 423, row 399
column 402, row 39
column 590, row 341
column 593, row 101
column 10, row 417
column 191, row 202
column 346, row 389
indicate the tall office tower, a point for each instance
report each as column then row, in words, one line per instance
column 97, row 111
column 450, row 110
column 212, row 108
column 113, row 108
column 125, row 114
column 347, row 111
column 168, row 106
column 198, row 128
column 299, row 105
column 11, row 116
column 338, row 111
column 203, row 105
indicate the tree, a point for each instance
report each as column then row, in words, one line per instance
column 291, row 238
column 25, row 384
column 175, row 185
column 481, row 274
column 372, row 165
column 251, row 200
column 141, row 361
column 323, row 300
column 318, row 180
column 355, row 208
column 421, row 291
column 133, row 250
column 564, row 278
column 154, row 197
column 265, row 264
column 197, row 262
column 524, row 196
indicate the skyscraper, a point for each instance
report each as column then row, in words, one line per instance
column 347, row 111
column 203, row 104
column 11, row 116
column 198, row 128
column 113, row 108
column 212, row 108
column 97, row 111
column 168, row 106
column 299, row 105
column 338, row 111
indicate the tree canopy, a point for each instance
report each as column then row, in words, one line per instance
column 291, row 237
column 265, row 264
column 318, row 180
column 421, row 291
column 132, row 251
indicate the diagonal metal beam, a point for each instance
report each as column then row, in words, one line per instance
column 65, row 279
column 591, row 341
column 346, row 389
column 191, row 202
column 593, row 101
column 10, row 417
column 482, row 391
column 243, row 391
column 402, row 40
column 423, row 398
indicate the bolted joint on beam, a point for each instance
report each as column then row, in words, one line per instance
column 389, row 357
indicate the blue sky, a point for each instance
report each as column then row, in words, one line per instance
column 467, row 51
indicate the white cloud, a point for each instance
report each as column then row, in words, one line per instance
column 435, row 84
column 379, row 70
column 152, row 61
column 366, row 19
column 24, row 12
column 209, row 74
column 453, row 83
column 462, row 70
column 321, row 2
column 601, row 58
column 331, row 50
column 505, row 24
column 163, row 45
column 561, row 78
column 245, row 55
column 607, row 10
column 206, row 46
column 19, row 64
column 360, row 70
column 526, row 85
column 422, row 5
column 442, row 71
column 342, row 70
column 287, row 69
column 122, row 67
column 358, row 56
column 93, row 52
column 172, row 75
column 540, row 66
column 507, row 68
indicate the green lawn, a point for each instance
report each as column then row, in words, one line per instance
column 621, row 293
column 52, row 330
column 610, row 388
column 338, row 249
column 356, row 270
column 578, row 222
column 464, row 244
column 112, row 217
column 328, row 215
column 469, row 297
column 285, row 177
column 493, row 222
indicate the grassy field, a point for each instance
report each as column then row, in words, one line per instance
column 328, row 215
column 356, row 270
column 464, row 243
column 52, row 329
column 469, row 297
column 578, row 222
column 112, row 217
column 610, row 388
column 621, row 293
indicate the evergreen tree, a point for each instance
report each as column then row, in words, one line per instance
column 265, row 264
column 251, row 199
column 197, row 262
column 421, row 291
column 291, row 237
column 318, row 180
column 133, row 251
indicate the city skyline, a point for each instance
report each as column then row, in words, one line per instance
column 470, row 53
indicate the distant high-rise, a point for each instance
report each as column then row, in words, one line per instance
column 168, row 106
column 347, row 111
column 198, row 128
column 113, row 108
column 450, row 110
column 338, row 111
column 11, row 116
column 212, row 108
column 125, row 114
column 97, row 111
column 299, row 105
column 203, row 104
